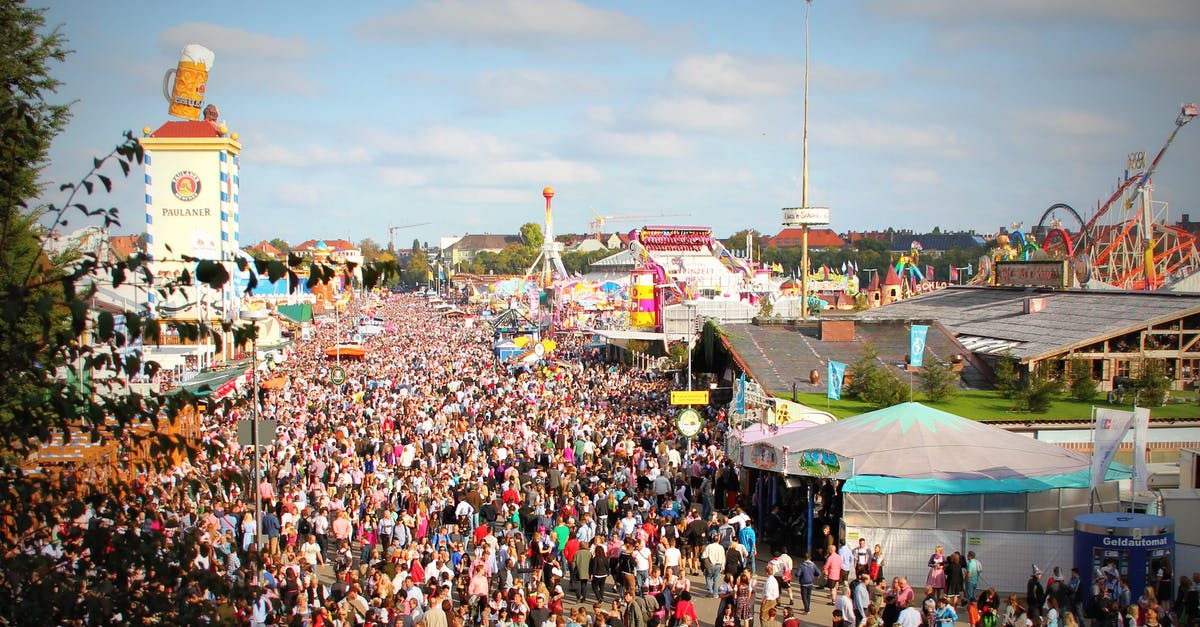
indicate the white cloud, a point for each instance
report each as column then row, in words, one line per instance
column 698, row 114
column 236, row 42
column 311, row 155
column 448, row 143
column 490, row 195
column 516, row 23
column 723, row 74
column 400, row 177
column 868, row 134
column 536, row 172
column 529, row 87
column 600, row 114
column 908, row 176
column 700, row 176
column 301, row 195
column 1060, row 121
column 658, row 144
column 1070, row 11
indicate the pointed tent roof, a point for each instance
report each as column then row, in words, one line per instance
column 892, row 278
column 917, row 449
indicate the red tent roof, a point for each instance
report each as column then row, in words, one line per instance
column 892, row 278
column 187, row 128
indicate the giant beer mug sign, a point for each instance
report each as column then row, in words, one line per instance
column 185, row 95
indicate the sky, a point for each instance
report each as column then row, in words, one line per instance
column 357, row 116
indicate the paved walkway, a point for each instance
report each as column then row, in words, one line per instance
column 821, row 613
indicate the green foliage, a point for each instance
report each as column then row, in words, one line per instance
column 873, row 383
column 1039, row 391
column 55, row 348
column 417, row 270
column 765, row 309
column 938, row 380
column 678, row 353
column 281, row 244
column 1080, row 384
column 532, row 236
column 1152, row 382
column 737, row 241
column 1007, row 381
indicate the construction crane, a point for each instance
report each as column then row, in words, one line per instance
column 598, row 221
column 392, row 233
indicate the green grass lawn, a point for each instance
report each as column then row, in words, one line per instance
column 988, row 405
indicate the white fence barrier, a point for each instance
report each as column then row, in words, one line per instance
column 1007, row 557
column 1187, row 559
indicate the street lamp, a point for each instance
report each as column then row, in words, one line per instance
column 254, row 317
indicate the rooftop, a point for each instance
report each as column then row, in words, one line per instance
column 992, row 320
column 778, row 355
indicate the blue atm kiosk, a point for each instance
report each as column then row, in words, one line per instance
column 1138, row 546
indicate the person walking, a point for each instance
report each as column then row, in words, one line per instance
column 712, row 561
column 833, row 573
column 974, row 572
column 806, row 577
column 770, row 593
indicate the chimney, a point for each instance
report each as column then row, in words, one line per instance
column 1034, row 304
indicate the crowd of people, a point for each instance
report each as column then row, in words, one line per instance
column 439, row 486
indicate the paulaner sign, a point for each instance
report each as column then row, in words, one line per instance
column 1049, row 273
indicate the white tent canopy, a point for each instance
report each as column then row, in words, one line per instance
column 912, row 448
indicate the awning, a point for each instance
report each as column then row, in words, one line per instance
column 205, row 383
column 297, row 313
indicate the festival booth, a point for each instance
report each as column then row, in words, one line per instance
column 912, row 477
column 505, row 350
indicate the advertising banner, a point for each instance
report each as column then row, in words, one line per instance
column 1111, row 427
column 837, row 371
column 916, row 345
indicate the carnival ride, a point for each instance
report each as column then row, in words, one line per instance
column 1127, row 243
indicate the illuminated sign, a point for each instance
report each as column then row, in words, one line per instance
column 801, row 216
column 1049, row 273
column 689, row 397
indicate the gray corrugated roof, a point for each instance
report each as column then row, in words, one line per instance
column 1070, row 319
column 778, row 355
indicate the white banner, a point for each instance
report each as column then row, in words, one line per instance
column 1141, row 421
column 1110, row 428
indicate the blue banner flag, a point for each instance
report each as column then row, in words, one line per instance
column 739, row 399
column 837, row 371
column 916, row 345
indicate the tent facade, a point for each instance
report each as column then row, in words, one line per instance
column 911, row 448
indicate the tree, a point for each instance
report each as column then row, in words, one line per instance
column 1006, row 380
column 938, row 380
column 872, row 383
column 282, row 245
column 1152, row 382
column 531, row 236
column 1080, row 384
column 369, row 249
column 54, row 348
column 417, row 270
column 1038, row 392
column 737, row 241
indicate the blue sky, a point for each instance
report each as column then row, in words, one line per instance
column 357, row 116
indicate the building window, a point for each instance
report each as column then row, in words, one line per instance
column 1121, row 368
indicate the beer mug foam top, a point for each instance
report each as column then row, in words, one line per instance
column 185, row 96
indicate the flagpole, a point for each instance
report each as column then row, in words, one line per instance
column 1092, row 488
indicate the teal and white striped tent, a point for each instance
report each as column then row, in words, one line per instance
column 911, row 448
